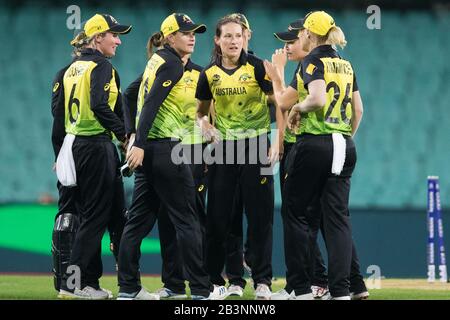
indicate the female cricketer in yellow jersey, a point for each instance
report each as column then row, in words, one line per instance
column 325, row 157
column 161, row 180
column 93, row 113
column 172, row 275
column 290, row 95
column 67, row 219
column 286, row 97
column 237, row 253
column 236, row 82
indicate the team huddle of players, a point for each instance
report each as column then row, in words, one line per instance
column 188, row 133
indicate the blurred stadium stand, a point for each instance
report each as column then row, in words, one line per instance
column 402, row 74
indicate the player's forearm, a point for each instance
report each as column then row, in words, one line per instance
column 357, row 111
column 316, row 98
column 310, row 104
column 279, row 86
column 203, row 108
column 281, row 123
column 356, row 120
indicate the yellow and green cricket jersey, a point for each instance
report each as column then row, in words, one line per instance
column 240, row 97
column 325, row 64
column 92, row 96
column 172, row 96
column 297, row 84
column 191, row 131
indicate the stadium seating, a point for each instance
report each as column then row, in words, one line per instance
column 401, row 70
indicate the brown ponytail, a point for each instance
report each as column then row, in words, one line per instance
column 155, row 41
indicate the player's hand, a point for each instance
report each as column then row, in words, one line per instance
column 279, row 59
column 209, row 132
column 293, row 119
column 276, row 151
column 271, row 71
column 212, row 135
column 274, row 154
column 135, row 157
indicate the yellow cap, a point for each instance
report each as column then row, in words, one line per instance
column 180, row 22
column 102, row 23
column 319, row 22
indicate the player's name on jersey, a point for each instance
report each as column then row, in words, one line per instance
column 338, row 67
column 230, row 91
column 76, row 70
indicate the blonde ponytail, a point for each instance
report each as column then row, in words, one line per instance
column 79, row 43
column 336, row 37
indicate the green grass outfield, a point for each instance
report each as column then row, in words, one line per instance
column 40, row 287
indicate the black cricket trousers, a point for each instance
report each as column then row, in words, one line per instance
column 310, row 176
column 173, row 275
column 248, row 170
column 236, row 250
column 67, row 199
column 100, row 200
column 160, row 181
column 318, row 271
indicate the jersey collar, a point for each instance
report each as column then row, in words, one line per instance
column 243, row 58
column 326, row 48
column 90, row 51
column 189, row 66
column 172, row 50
